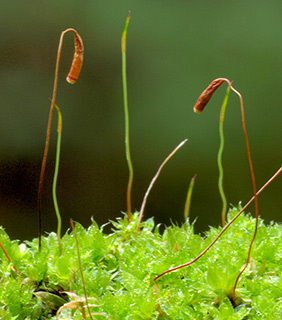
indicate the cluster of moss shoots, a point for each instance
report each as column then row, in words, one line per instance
column 137, row 272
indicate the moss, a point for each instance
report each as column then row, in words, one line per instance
column 119, row 269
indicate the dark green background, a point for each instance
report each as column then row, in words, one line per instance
column 175, row 49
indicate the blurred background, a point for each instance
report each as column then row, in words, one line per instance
column 174, row 50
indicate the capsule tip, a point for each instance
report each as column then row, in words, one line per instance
column 70, row 79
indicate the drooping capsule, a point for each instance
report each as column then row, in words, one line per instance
column 77, row 59
column 204, row 98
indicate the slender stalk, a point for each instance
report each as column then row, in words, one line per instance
column 224, row 229
column 80, row 268
column 188, row 198
column 126, row 114
column 219, row 157
column 59, row 130
column 72, row 76
column 154, row 180
column 199, row 106
column 254, row 187
column 8, row 257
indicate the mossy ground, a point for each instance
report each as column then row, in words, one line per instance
column 119, row 269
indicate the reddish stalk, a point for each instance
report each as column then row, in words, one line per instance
column 7, row 256
column 199, row 106
column 71, row 78
column 224, row 229
column 254, row 188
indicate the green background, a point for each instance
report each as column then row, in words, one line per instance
column 174, row 50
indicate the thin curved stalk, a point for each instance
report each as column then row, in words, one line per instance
column 154, row 180
column 71, row 78
column 254, row 187
column 199, row 106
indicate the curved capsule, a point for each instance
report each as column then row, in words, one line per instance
column 77, row 59
column 204, row 98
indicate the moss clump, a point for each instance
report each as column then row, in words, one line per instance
column 119, row 269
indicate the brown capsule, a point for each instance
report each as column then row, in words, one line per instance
column 77, row 59
column 204, row 98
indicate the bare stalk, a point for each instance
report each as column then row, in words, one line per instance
column 154, row 180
